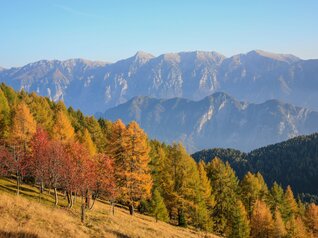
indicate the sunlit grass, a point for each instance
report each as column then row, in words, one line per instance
column 28, row 214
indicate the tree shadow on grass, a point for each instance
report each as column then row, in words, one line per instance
column 120, row 235
column 11, row 234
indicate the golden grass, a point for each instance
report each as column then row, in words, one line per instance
column 25, row 216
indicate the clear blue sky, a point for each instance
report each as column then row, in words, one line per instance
column 109, row 30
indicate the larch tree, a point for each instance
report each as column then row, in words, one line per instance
column 261, row 221
column 240, row 225
column 157, row 164
column 311, row 218
column 290, row 206
column 159, row 209
column 137, row 181
column 276, row 198
column 251, row 189
column 4, row 118
column 23, row 128
column 88, row 143
column 62, row 128
column 205, row 200
column 264, row 192
column 115, row 150
column 279, row 229
column 205, row 186
column 41, row 109
column 96, row 133
column 225, row 189
column 296, row 228
column 182, row 189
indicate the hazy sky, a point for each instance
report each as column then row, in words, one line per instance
column 109, row 30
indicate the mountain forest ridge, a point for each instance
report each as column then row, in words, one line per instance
column 217, row 120
column 96, row 86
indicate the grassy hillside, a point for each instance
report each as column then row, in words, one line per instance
column 29, row 216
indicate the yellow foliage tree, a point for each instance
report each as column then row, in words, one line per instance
column 290, row 206
column 88, row 143
column 296, row 228
column 131, row 154
column 62, row 129
column 4, row 116
column 261, row 221
column 24, row 126
column 311, row 217
column 205, row 186
column 240, row 224
column 279, row 230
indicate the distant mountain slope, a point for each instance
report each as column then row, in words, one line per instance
column 216, row 121
column 94, row 86
column 293, row 162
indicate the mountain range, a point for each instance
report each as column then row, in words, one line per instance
column 218, row 120
column 93, row 86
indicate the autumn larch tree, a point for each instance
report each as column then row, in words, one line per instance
column 279, row 229
column 311, row 218
column 4, row 118
column 261, row 221
column 225, row 189
column 240, row 225
column 62, row 129
column 137, row 182
column 23, row 128
column 296, row 228
column 88, row 143
column 290, row 206
column 159, row 209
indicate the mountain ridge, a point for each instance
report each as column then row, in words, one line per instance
column 94, row 86
column 218, row 120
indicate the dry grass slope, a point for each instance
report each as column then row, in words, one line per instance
column 26, row 216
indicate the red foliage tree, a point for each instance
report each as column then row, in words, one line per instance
column 38, row 162
column 104, row 183
column 6, row 161
column 55, row 166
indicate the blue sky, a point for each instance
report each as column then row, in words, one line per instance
column 109, row 30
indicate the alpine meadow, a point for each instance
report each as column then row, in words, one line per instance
column 175, row 141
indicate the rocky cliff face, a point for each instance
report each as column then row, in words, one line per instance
column 95, row 86
column 216, row 121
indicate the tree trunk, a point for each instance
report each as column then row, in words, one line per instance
column 71, row 200
column 74, row 199
column 56, row 197
column 131, row 209
column 68, row 199
column 42, row 187
column 112, row 204
column 83, row 212
column 18, row 184
column 87, row 199
column 91, row 207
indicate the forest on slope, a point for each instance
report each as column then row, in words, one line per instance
column 293, row 162
column 47, row 145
